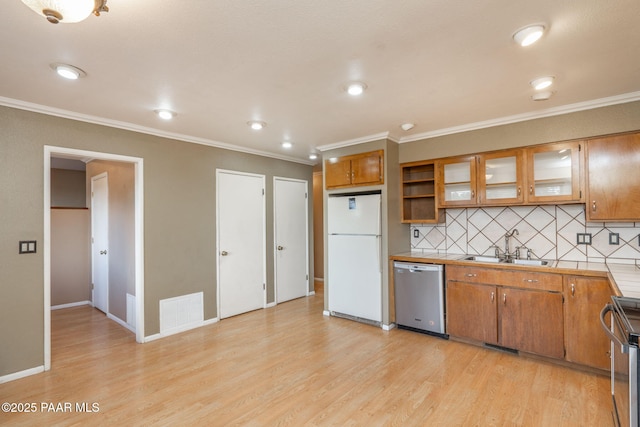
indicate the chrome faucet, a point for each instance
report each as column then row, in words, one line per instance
column 506, row 241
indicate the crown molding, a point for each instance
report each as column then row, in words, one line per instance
column 72, row 115
column 550, row 112
column 356, row 141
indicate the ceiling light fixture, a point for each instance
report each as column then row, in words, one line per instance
column 528, row 35
column 256, row 124
column 67, row 11
column 542, row 96
column 356, row 88
column 287, row 145
column 407, row 126
column 542, row 83
column 165, row 114
column 68, row 71
column 313, row 156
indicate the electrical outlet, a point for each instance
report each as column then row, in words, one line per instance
column 416, row 233
column 614, row 238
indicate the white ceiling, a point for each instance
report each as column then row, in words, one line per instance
column 444, row 65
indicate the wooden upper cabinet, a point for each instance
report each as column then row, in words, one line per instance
column 501, row 178
column 418, row 191
column 457, row 181
column 356, row 170
column 554, row 172
column 613, row 187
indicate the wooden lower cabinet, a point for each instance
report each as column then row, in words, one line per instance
column 529, row 320
column 585, row 341
column 472, row 311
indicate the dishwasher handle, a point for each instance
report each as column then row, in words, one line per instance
column 417, row 268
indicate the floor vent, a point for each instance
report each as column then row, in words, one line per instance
column 181, row 313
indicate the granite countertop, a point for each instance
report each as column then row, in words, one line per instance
column 625, row 278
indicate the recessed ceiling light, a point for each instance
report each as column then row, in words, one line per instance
column 287, row 145
column 68, row 71
column 313, row 156
column 165, row 114
column 542, row 83
column 542, row 96
column 256, row 124
column 407, row 126
column 529, row 35
column 356, row 88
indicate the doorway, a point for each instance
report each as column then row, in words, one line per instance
column 51, row 151
column 291, row 229
column 241, row 232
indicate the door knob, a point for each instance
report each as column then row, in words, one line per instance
column 103, row 252
column 224, row 253
column 280, row 248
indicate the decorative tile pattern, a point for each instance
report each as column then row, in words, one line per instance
column 549, row 231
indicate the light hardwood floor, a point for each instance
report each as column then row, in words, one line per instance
column 290, row 365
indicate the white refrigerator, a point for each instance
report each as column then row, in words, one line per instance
column 354, row 256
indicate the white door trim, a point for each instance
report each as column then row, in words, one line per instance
column 138, row 238
column 264, row 235
column 275, row 244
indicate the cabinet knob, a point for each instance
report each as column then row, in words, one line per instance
column 493, row 296
column 573, row 289
column 504, row 298
column 593, row 206
column 519, row 191
column 530, row 280
column 531, row 189
column 471, row 275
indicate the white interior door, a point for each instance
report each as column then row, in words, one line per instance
column 241, row 242
column 100, row 241
column 291, row 239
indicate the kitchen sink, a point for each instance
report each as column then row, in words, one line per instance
column 539, row 262
column 491, row 259
column 481, row 258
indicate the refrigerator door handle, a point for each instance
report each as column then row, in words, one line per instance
column 379, row 246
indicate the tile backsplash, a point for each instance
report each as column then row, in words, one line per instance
column 551, row 232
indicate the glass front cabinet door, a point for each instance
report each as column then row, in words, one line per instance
column 554, row 173
column 500, row 178
column 457, row 181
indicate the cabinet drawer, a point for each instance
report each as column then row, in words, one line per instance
column 515, row 279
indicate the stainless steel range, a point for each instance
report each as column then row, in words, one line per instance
column 624, row 331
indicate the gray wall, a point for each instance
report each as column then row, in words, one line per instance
column 68, row 188
column 179, row 219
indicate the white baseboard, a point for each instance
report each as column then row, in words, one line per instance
column 311, row 293
column 326, row 313
column 270, row 304
column 21, row 374
column 71, row 304
column 210, row 321
column 389, row 326
column 121, row 322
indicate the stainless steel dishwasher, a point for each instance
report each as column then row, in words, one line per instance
column 419, row 297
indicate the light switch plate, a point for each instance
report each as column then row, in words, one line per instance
column 584, row 238
column 27, row 247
